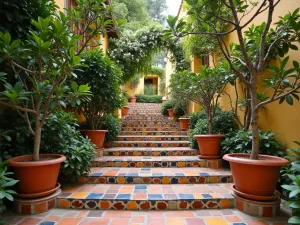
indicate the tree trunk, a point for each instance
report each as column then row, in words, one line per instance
column 210, row 122
column 37, row 138
column 254, row 117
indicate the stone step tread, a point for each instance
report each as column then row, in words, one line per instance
column 148, row 158
column 157, row 172
column 149, row 149
column 146, row 192
column 155, row 131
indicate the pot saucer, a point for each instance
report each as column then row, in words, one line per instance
column 41, row 194
column 275, row 196
column 209, row 157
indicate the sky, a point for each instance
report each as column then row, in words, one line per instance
column 173, row 6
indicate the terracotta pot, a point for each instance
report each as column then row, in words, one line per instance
column 36, row 178
column 125, row 111
column 255, row 177
column 96, row 136
column 209, row 145
column 133, row 99
column 184, row 123
column 163, row 100
column 171, row 112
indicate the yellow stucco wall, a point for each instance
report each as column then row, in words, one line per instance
column 282, row 119
column 140, row 88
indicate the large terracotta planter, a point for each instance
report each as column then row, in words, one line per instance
column 256, row 178
column 132, row 99
column 209, row 145
column 125, row 111
column 171, row 112
column 36, row 178
column 96, row 136
column 184, row 123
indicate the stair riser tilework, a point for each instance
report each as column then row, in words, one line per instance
column 155, row 180
column 153, row 133
column 140, row 164
column 150, row 129
column 151, row 153
column 146, row 144
column 135, row 138
column 103, row 204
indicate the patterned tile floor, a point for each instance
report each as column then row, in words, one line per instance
column 97, row 217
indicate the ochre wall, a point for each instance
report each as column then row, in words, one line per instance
column 140, row 88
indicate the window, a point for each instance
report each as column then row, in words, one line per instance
column 205, row 60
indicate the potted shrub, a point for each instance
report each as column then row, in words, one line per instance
column 249, row 61
column 43, row 66
column 133, row 84
column 103, row 76
column 165, row 106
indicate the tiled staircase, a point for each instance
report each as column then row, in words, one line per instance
column 150, row 167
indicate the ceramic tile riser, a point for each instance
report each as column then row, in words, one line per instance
column 150, row 167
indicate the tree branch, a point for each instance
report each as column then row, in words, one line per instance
column 17, row 107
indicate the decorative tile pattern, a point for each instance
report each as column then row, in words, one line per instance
column 153, row 133
column 154, row 144
column 150, row 129
column 147, row 197
column 152, row 138
column 173, row 151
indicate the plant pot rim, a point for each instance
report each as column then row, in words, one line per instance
column 184, row 118
column 126, row 107
column 209, row 135
column 94, row 131
column 132, row 97
column 265, row 160
column 170, row 109
column 18, row 161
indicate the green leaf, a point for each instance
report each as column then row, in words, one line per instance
column 294, row 193
column 295, row 204
column 294, row 220
column 289, row 100
column 10, row 183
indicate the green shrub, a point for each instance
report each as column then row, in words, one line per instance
column 241, row 142
column 150, row 89
column 194, row 117
column 148, row 98
column 113, row 125
column 165, row 106
column 223, row 123
column 6, row 185
column 178, row 110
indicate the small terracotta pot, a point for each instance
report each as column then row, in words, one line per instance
column 36, row 178
column 163, row 100
column 209, row 145
column 125, row 111
column 255, row 177
column 96, row 136
column 184, row 123
column 133, row 99
column 171, row 112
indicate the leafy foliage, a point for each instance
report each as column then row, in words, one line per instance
column 150, row 89
column 113, row 125
column 156, row 9
column 223, row 123
column 195, row 116
column 241, row 142
column 43, row 64
column 155, row 70
column 165, row 106
column 179, row 110
column 6, row 185
column 148, row 98
column 103, row 76
column 294, row 192
column 15, row 15
column 134, row 83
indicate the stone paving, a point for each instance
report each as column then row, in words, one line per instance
column 97, row 217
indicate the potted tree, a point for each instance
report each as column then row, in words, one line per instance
column 125, row 108
column 204, row 88
column 42, row 66
column 253, row 54
column 103, row 76
column 181, row 98
column 133, row 84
